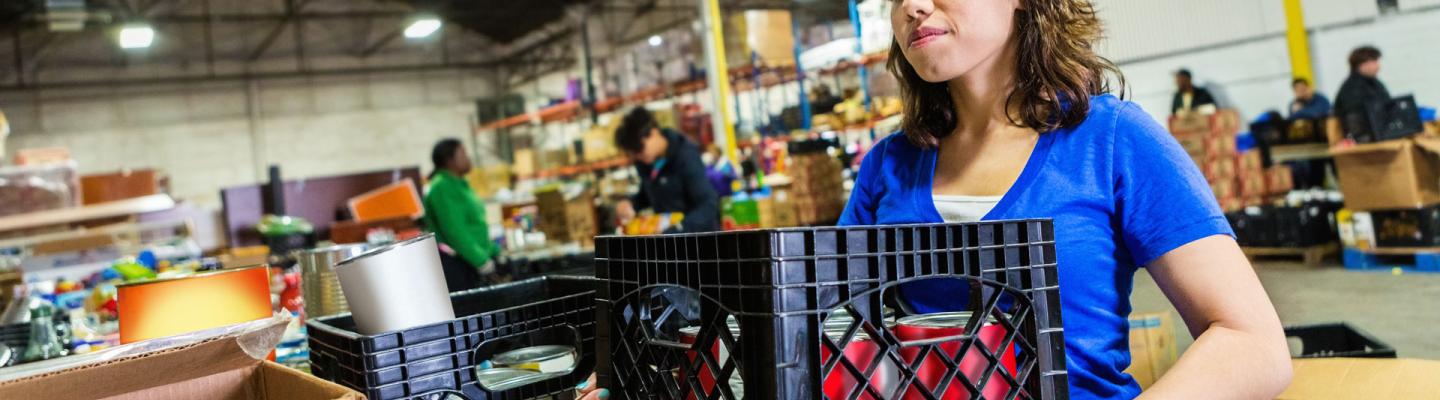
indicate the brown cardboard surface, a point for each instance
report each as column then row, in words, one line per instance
column 1393, row 174
column 1152, row 346
column 1364, row 378
column 220, row 368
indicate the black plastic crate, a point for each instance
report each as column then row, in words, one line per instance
column 432, row 361
column 784, row 288
column 1337, row 339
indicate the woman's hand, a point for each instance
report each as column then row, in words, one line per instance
column 587, row 391
column 624, row 211
column 1240, row 350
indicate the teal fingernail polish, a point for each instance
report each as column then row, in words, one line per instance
column 583, row 384
column 604, row 394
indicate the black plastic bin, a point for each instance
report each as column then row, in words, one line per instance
column 783, row 287
column 432, row 361
column 1337, row 339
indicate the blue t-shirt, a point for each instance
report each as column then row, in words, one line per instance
column 1121, row 192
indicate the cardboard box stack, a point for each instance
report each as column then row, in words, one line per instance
column 1393, row 185
column 1238, row 179
column 566, row 219
column 815, row 195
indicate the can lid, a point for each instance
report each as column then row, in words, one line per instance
column 940, row 320
column 532, row 354
column 497, row 378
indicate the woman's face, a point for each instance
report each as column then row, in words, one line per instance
column 946, row 39
column 460, row 162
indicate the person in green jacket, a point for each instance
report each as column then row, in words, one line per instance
column 457, row 217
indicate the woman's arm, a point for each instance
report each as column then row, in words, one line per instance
column 1240, row 350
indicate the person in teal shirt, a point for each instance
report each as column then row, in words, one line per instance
column 457, row 217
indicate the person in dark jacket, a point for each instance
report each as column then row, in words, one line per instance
column 672, row 176
column 1362, row 87
column 1308, row 104
column 1189, row 97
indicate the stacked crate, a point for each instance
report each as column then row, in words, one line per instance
column 1238, row 179
column 817, row 191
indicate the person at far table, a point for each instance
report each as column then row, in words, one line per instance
column 672, row 175
column 1363, row 86
column 1188, row 97
column 457, row 217
column 1307, row 104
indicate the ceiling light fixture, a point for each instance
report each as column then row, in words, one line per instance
column 656, row 41
column 136, row 36
column 423, row 27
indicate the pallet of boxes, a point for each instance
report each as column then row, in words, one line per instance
column 816, row 193
column 566, row 216
column 1391, row 219
column 1238, row 179
column 1252, row 193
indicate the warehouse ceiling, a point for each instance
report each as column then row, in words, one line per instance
column 75, row 40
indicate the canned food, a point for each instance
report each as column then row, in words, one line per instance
column 972, row 363
column 497, row 379
column 544, row 359
column 689, row 335
column 860, row 351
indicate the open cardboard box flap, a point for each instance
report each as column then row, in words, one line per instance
column 230, row 367
column 1426, row 143
column 1364, row 378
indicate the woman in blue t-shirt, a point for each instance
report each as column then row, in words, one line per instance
column 1008, row 115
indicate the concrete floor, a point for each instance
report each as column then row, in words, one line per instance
column 1400, row 310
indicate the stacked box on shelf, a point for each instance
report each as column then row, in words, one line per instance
column 783, row 288
column 566, row 220
column 441, row 359
column 816, row 191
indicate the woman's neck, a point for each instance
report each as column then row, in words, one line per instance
column 979, row 95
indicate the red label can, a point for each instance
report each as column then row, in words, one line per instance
column 860, row 351
column 689, row 335
column 972, row 364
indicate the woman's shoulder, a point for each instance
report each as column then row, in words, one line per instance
column 1111, row 118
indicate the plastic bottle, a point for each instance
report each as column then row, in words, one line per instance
column 44, row 343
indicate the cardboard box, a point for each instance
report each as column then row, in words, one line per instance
column 1152, row 347
column 1363, row 378
column 1251, row 184
column 1225, row 121
column 1219, row 169
column 566, row 219
column 1395, row 174
column 1231, row 204
column 1220, row 146
column 218, row 368
column 1249, row 162
column 1224, row 189
column 1357, row 229
column 1279, row 180
column 104, row 188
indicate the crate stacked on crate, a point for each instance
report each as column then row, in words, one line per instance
column 447, row 360
column 566, row 219
column 1392, row 202
column 802, row 314
column 816, row 193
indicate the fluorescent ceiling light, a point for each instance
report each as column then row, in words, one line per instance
column 422, row 28
column 656, row 41
column 136, row 37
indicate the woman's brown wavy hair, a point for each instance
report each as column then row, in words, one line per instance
column 1056, row 72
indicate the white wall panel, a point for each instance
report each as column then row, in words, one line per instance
column 1144, row 28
